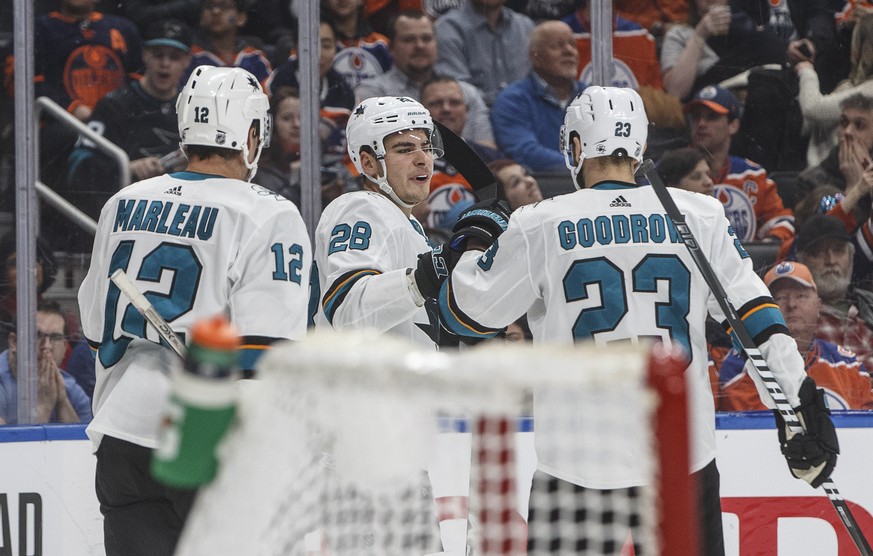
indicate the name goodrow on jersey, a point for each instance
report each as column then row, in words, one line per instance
column 618, row 228
column 165, row 217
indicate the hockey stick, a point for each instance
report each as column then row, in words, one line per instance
column 782, row 405
column 147, row 310
column 465, row 160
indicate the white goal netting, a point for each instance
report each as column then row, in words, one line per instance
column 357, row 444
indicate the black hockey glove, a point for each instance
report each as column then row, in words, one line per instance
column 433, row 268
column 483, row 222
column 811, row 456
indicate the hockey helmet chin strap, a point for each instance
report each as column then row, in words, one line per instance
column 251, row 166
column 382, row 182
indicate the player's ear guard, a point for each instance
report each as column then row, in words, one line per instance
column 482, row 222
column 811, row 456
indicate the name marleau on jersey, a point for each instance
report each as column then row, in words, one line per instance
column 618, row 228
column 165, row 217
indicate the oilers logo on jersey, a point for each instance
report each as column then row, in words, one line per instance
column 357, row 65
column 739, row 210
column 622, row 75
column 443, row 202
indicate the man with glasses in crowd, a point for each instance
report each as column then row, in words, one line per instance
column 59, row 398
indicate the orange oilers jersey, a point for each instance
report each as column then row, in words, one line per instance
column 635, row 59
column 751, row 202
column 835, row 369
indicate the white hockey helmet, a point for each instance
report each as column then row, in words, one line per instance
column 217, row 107
column 609, row 121
column 375, row 118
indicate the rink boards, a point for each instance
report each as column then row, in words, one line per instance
column 48, row 506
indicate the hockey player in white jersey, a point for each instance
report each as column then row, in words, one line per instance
column 605, row 264
column 375, row 265
column 197, row 243
column 373, row 258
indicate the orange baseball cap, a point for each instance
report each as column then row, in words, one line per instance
column 791, row 270
column 719, row 100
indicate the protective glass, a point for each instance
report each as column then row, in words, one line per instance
column 409, row 141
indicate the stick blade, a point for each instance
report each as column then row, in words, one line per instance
column 465, row 160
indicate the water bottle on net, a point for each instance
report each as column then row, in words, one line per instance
column 202, row 406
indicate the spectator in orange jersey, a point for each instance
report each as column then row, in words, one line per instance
column 835, row 369
column 635, row 60
column 750, row 199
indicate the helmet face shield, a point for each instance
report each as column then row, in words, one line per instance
column 410, row 141
column 377, row 118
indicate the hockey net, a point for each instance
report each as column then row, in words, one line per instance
column 332, row 441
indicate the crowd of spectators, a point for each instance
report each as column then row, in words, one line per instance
column 731, row 86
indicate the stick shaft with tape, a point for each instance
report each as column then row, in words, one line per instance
column 147, row 310
column 749, row 346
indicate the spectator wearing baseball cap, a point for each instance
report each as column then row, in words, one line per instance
column 139, row 117
column 719, row 100
column 169, row 32
column 751, row 201
column 824, row 245
column 817, row 229
column 834, row 368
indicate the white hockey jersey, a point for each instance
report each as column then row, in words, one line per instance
column 195, row 245
column 364, row 245
column 606, row 264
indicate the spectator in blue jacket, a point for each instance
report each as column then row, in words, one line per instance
column 59, row 398
column 528, row 114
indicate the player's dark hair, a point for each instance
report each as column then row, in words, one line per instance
column 678, row 163
column 203, row 152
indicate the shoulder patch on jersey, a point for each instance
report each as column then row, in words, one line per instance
column 264, row 192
